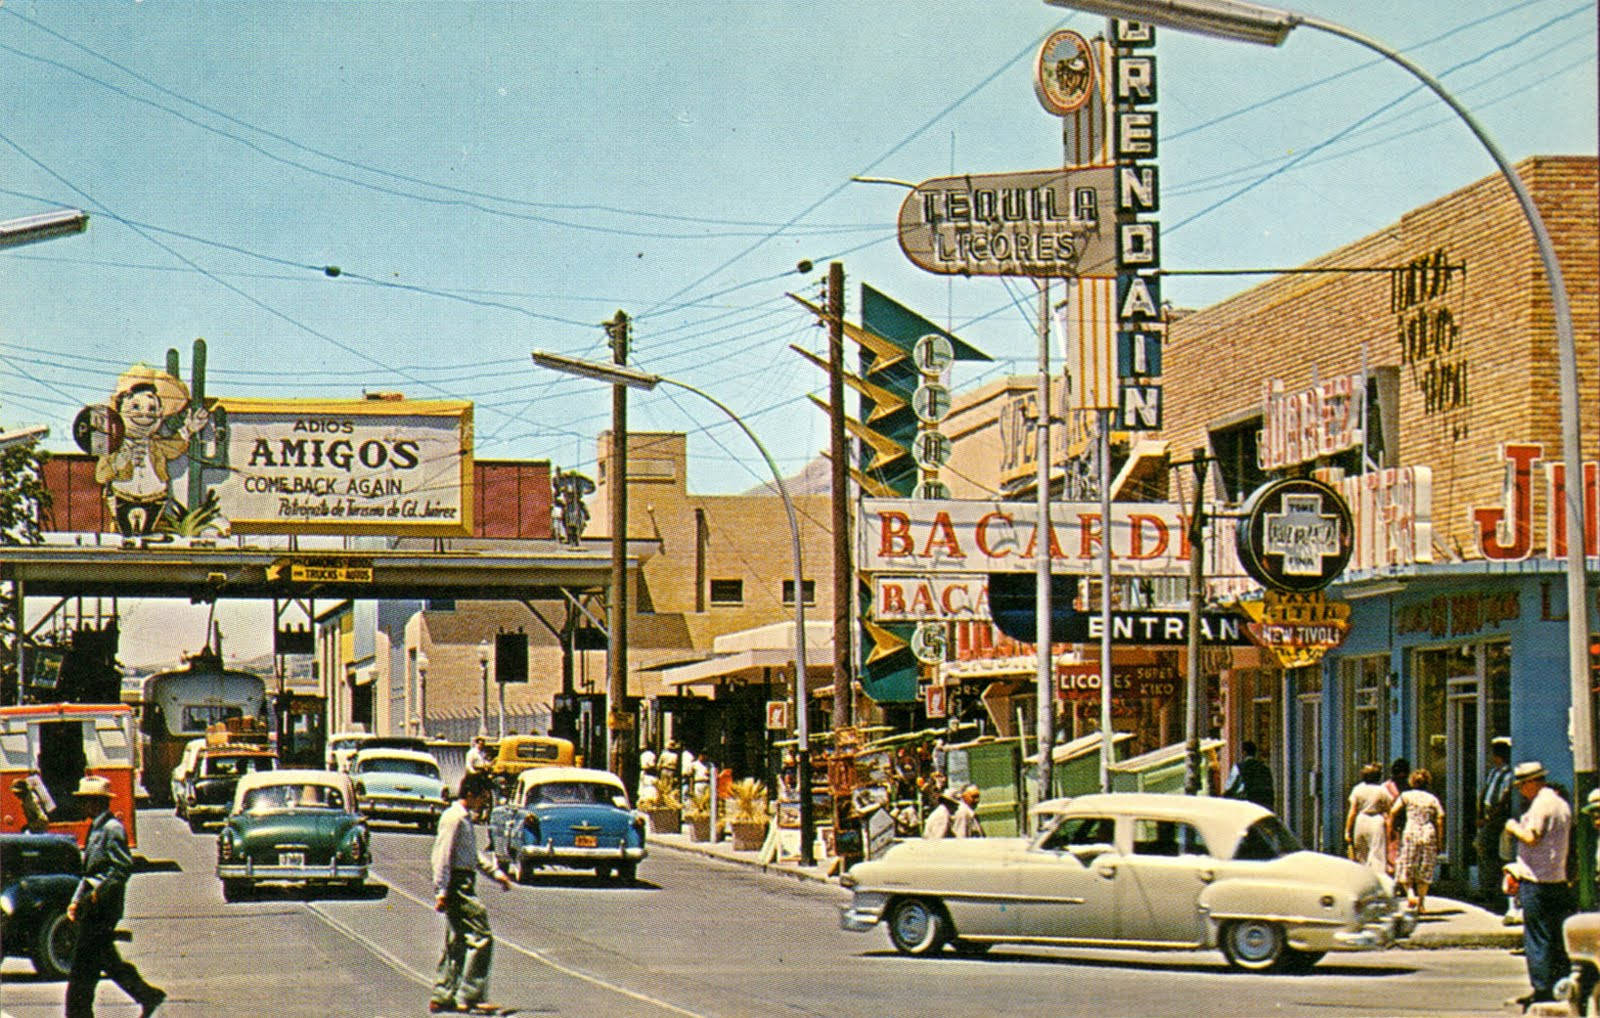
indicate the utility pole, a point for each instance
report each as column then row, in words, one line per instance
column 1197, row 579
column 617, row 329
column 839, row 461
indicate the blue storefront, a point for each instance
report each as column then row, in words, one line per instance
column 1440, row 659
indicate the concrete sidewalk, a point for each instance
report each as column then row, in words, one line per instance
column 1446, row 923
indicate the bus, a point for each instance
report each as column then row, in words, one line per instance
column 47, row 748
column 179, row 706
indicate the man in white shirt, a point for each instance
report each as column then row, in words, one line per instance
column 964, row 824
column 478, row 756
column 1542, row 834
column 463, row 977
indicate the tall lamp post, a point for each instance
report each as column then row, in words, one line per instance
column 44, row 226
column 483, row 706
column 615, row 374
column 1248, row 22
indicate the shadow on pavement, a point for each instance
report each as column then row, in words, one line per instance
column 1325, row 967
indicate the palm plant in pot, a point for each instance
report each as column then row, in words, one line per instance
column 697, row 811
column 663, row 807
column 748, row 816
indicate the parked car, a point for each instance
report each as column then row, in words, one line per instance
column 191, row 751
column 209, row 786
column 1132, row 870
column 398, row 784
column 342, row 746
column 568, row 816
column 38, row 874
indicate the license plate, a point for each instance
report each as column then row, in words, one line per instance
column 587, row 841
column 291, row 858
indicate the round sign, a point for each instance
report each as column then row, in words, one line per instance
column 1296, row 535
column 931, row 450
column 928, row 642
column 933, row 353
column 98, row 430
column 931, row 402
column 1063, row 74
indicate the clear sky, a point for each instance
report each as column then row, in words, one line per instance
column 494, row 178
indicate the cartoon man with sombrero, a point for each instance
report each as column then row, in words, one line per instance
column 135, row 467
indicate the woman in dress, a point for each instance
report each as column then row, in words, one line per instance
column 1419, row 846
column 1366, row 824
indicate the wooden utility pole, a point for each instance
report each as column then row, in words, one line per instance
column 617, row 741
column 839, row 460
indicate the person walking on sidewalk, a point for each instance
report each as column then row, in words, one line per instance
column 1542, row 834
column 1424, row 833
column 1251, row 778
column 1366, row 823
column 462, row 982
column 96, row 908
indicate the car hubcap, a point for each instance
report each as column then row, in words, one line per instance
column 912, row 924
column 1253, row 943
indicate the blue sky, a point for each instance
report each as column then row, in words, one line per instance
column 494, row 178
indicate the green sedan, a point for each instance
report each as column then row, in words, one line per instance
column 294, row 826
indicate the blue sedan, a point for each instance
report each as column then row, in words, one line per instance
column 573, row 817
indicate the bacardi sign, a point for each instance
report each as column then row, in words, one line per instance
column 955, row 536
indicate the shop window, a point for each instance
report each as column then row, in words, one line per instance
column 727, row 592
column 809, row 587
column 1235, row 449
column 1365, row 710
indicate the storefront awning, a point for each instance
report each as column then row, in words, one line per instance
column 750, row 654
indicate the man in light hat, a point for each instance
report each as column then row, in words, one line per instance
column 1542, row 834
column 96, row 908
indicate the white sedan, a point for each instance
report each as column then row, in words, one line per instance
column 1131, row 870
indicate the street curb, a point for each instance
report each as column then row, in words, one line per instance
column 776, row 869
column 1501, row 939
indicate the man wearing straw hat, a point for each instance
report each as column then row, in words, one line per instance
column 1542, row 835
column 96, row 908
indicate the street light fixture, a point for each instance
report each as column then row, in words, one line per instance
column 44, row 226
column 633, row 378
column 1247, row 22
column 483, row 707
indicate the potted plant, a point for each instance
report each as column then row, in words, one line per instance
column 663, row 807
column 698, row 812
column 748, row 816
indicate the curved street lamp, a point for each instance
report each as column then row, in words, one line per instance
column 1248, row 22
column 44, row 226
column 635, row 379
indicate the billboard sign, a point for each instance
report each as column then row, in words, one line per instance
column 1297, row 535
column 347, row 467
column 1034, row 223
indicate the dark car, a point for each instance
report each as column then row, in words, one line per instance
column 38, row 873
column 208, row 788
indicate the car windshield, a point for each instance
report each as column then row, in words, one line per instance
column 233, row 766
column 308, row 796
column 397, row 765
column 566, row 793
column 1267, row 838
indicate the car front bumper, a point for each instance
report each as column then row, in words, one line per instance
column 863, row 913
column 400, row 809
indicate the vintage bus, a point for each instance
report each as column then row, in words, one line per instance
column 46, row 749
column 179, row 706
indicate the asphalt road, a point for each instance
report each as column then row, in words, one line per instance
column 694, row 936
